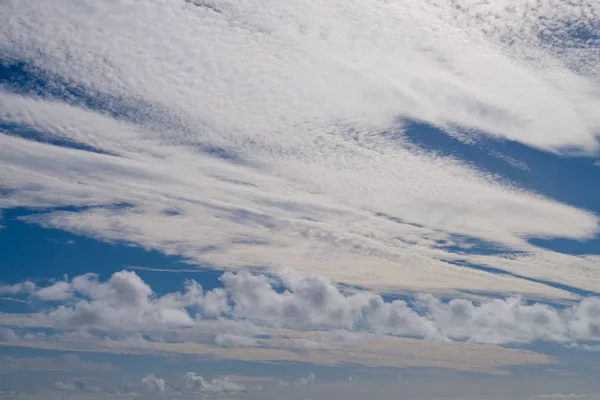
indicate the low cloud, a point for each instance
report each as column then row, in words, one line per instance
column 308, row 380
column 125, row 303
column 557, row 395
column 19, row 288
column 57, row 292
column 77, row 386
column 7, row 335
column 197, row 384
column 152, row 384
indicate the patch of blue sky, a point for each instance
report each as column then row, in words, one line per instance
column 30, row 251
column 46, row 137
column 28, row 79
column 569, row 180
column 32, row 80
column 498, row 271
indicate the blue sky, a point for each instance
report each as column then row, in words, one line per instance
column 299, row 200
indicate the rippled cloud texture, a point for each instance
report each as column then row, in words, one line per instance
column 313, row 152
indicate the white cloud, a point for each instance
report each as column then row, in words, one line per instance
column 367, row 60
column 584, row 347
column 308, row 380
column 59, row 291
column 152, row 384
column 197, row 384
column 7, row 335
column 305, row 100
column 230, row 340
column 125, row 303
column 19, row 288
column 65, row 387
column 75, row 386
column 557, row 395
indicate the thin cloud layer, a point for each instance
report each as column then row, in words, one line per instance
column 510, row 70
column 226, row 215
column 272, row 133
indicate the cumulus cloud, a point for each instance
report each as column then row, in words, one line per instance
column 58, row 291
column 66, row 387
column 283, row 145
column 7, row 335
column 197, row 384
column 19, row 288
column 308, row 380
column 584, row 347
column 152, row 384
column 75, row 386
column 125, row 303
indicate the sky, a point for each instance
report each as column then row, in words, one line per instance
column 299, row 199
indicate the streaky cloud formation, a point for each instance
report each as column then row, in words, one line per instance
column 356, row 185
column 284, row 145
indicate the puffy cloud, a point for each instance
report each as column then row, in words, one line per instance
column 498, row 321
column 152, row 384
column 58, row 291
column 66, row 387
column 19, row 288
column 197, row 384
column 76, row 386
column 584, row 347
column 7, row 335
column 125, row 303
column 315, row 302
column 308, row 380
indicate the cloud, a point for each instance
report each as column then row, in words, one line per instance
column 58, row 291
column 66, row 387
column 308, row 380
column 152, row 384
column 19, row 288
column 67, row 362
column 230, row 340
column 330, row 67
column 76, row 386
column 197, row 384
column 584, row 347
column 303, row 159
column 247, row 302
column 282, row 346
column 7, row 335
column 557, row 395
